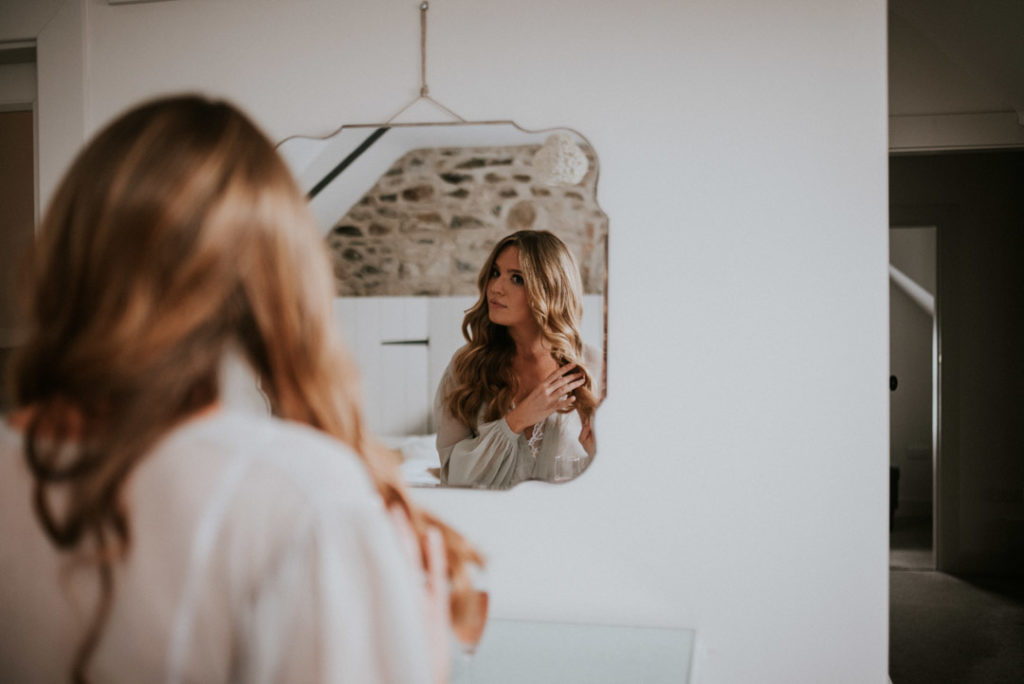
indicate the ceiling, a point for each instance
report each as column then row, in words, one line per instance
column 984, row 38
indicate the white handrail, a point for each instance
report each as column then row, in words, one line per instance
column 921, row 296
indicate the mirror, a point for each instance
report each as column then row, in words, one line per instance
column 410, row 213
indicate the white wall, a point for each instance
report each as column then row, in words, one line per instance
column 740, row 487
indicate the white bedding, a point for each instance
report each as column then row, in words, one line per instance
column 420, row 461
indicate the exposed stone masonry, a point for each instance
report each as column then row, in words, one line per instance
column 428, row 224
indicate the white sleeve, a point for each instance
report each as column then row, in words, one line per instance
column 338, row 605
column 492, row 456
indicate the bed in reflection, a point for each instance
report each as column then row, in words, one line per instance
column 402, row 346
column 420, row 465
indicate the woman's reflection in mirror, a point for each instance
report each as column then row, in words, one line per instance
column 517, row 401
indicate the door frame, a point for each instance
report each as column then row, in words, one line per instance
column 946, row 472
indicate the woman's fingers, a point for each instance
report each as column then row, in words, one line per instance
column 560, row 371
column 554, row 394
column 568, row 385
column 568, row 381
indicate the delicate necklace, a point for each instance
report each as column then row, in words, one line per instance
column 535, row 437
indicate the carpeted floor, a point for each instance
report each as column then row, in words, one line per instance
column 950, row 630
column 910, row 544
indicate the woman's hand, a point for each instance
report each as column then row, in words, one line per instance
column 587, row 438
column 436, row 591
column 554, row 393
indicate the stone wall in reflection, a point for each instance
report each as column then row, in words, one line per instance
column 427, row 225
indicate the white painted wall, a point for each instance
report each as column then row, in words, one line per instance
column 61, row 60
column 740, row 487
column 17, row 86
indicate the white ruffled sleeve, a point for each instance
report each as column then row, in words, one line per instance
column 491, row 456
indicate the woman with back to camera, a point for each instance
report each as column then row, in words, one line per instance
column 152, row 533
column 517, row 401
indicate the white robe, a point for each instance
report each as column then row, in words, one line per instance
column 260, row 553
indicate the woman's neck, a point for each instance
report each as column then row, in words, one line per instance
column 529, row 342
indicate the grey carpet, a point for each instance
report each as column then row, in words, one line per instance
column 950, row 630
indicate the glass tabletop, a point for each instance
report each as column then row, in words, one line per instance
column 549, row 652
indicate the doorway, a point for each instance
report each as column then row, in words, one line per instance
column 17, row 185
column 913, row 397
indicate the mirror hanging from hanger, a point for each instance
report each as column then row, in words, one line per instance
column 410, row 213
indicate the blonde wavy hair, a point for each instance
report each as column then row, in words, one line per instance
column 177, row 232
column 482, row 369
